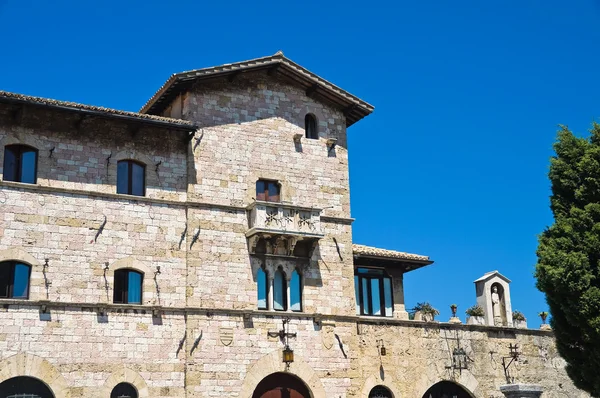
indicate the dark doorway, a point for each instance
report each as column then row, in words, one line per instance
column 281, row 385
column 24, row 387
column 447, row 389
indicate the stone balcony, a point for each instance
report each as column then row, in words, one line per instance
column 282, row 222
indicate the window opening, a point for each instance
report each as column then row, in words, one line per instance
column 14, row 280
column 279, row 291
column 373, row 292
column 296, row 292
column 310, row 127
column 261, row 287
column 267, row 191
column 20, row 164
column 131, row 178
column 128, row 287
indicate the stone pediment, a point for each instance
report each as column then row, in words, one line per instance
column 489, row 275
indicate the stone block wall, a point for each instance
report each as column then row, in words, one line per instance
column 247, row 132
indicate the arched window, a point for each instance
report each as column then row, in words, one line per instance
column 20, row 163
column 380, row 392
column 124, row 390
column 24, row 387
column 131, row 177
column 261, row 287
column 296, row 291
column 128, row 287
column 279, row 291
column 310, row 126
column 14, row 280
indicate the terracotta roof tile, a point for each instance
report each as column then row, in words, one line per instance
column 96, row 109
column 362, row 250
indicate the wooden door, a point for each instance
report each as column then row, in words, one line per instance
column 282, row 392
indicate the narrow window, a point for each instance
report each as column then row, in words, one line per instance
column 20, row 164
column 357, row 294
column 310, row 126
column 261, row 287
column 124, row 390
column 128, row 287
column 267, row 191
column 296, row 292
column 279, row 291
column 14, row 280
column 373, row 292
column 131, row 178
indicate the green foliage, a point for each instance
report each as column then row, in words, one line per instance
column 475, row 310
column 568, row 267
column 426, row 308
column 518, row 316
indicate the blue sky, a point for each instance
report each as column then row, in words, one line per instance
column 468, row 96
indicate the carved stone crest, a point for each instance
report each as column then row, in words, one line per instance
column 328, row 334
column 226, row 336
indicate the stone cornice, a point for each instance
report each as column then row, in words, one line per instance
column 251, row 313
column 144, row 199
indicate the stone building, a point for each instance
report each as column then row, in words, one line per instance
column 189, row 249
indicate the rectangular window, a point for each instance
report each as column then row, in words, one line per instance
column 261, row 287
column 357, row 294
column 279, row 292
column 295, row 292
column 267, row 191
column 14, row 280
column 131, row 178
column 20, row 164
column 21, row 284
column 373, row 292
column 134, row 291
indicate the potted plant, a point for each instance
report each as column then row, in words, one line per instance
column 544, row 325
column 453, row 308
column 519, row 320
column 475, row 315
column 425, row 312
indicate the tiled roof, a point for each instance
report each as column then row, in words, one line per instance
column 6, row 96
column 361, row 250
column 354, row 108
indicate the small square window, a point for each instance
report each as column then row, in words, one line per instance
column 14, row 280
column 128, row 287
column 20, row 164
column 267, row 191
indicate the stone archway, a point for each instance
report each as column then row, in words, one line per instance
column 272, row 363
column 21, row 386
column 124, row 375
column 374, row 381
column 28, row 365
column 447, row 388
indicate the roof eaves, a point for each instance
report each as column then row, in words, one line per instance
column 260, row 63
column 178, row 124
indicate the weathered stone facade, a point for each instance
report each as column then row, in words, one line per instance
column 197, row 331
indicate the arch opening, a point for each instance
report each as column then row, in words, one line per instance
column 25, row 387
column 380, row 392
column 447, row 389
column 281, row 385
column 124, row 390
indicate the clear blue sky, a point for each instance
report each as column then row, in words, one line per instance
column 468, row 96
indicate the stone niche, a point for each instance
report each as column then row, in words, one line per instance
column 493, row 295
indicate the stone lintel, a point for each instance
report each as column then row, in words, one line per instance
column 521, row 390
